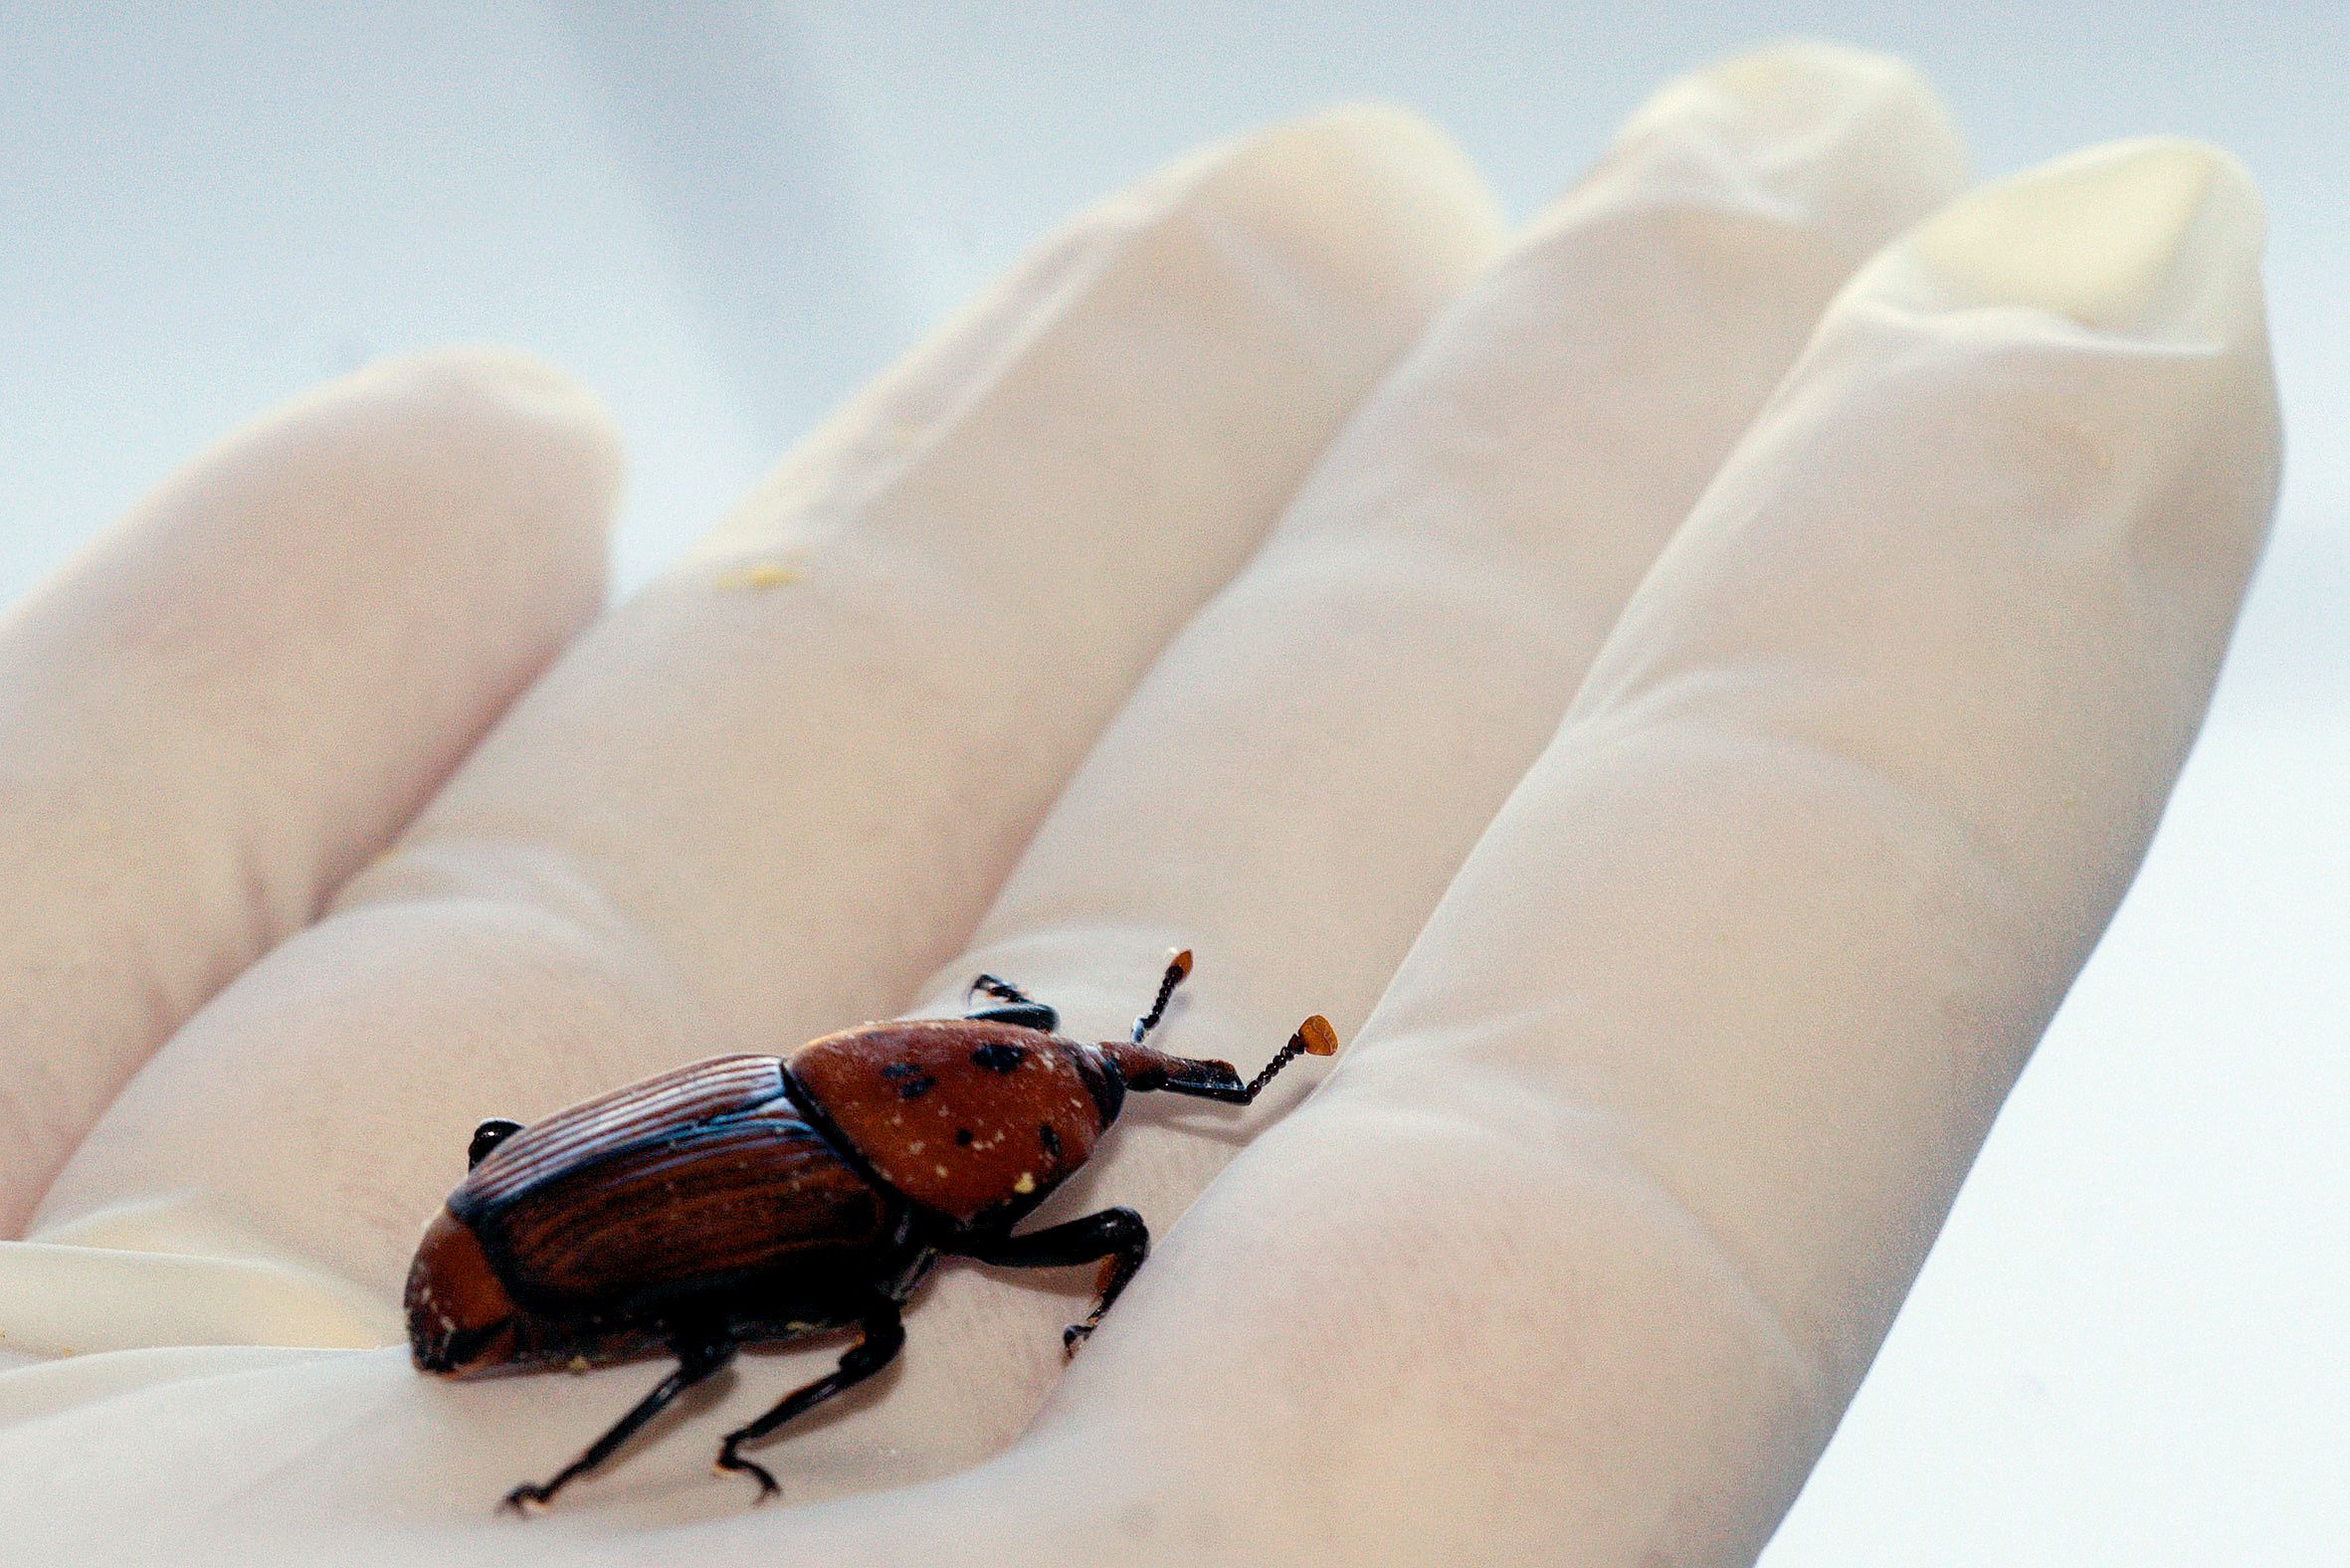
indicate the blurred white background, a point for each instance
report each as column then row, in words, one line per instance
column 2127, row 1348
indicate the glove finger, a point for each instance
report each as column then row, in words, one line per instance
column 202, row 739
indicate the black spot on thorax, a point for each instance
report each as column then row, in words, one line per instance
column 1049, row 1139
column 998, row 1057
column 912, row 1082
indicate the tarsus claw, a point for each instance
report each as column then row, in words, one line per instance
column 729, row 1459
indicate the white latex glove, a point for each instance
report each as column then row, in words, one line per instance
column 1581, row 1250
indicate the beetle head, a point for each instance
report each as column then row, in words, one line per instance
column 1098, row 1071
column 459, row 1318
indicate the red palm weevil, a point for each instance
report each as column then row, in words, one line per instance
column 757, row 1200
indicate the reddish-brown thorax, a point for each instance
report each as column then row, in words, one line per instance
column 965, row 1117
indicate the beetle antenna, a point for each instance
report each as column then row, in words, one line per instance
column 1178, row 967
column 1315, row 1038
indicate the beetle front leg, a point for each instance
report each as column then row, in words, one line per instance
column 1016, row 1006
column 1118, row 1235
column 694, row 1363
column 881, row 1337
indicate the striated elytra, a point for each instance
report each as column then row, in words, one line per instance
column 755, row 1200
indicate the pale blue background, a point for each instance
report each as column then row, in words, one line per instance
column 2128, row 1348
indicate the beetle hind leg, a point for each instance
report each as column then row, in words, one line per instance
column 882, row 1336
column 1117, row 1237
column 694, row 1365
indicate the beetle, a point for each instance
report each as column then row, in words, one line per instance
column 759, row 1200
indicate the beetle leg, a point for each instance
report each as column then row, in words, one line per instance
column 1020, row 1008
column 881, row 1337
column 489, row 1135
column 1027, row 1015
column 1115, row 1234
column 694, row 1363
column 1001, row 990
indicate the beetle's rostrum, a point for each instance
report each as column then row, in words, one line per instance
column 757, row 1200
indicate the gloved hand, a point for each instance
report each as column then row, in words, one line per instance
column 1686, row 741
